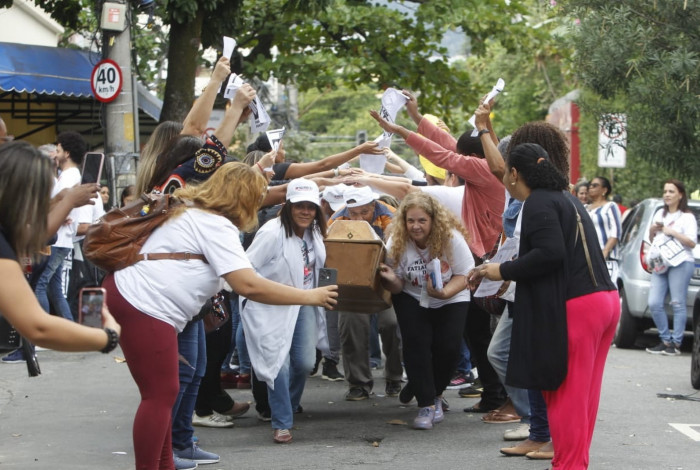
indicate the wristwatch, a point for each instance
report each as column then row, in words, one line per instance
column 482, row 132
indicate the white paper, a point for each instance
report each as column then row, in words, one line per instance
column 275, row 137
column 507, row 252
column 392, row 101
column 234, row 83
column 376, row 163
column 259, row 119
column 229, row 46
column 435, row 273
column 500, row 85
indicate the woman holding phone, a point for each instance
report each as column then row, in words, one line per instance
column 26, row 180
column 282, row 341
column 427, row 240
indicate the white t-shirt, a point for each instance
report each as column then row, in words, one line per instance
column 88, row 214
column 449, row 196
column 68, row 178
column 683, row 222
column 174, row 290
column 411, row 268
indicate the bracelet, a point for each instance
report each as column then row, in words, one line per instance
column 336, row 171
column 112, row 340
column 260, row 166
column 482, row 132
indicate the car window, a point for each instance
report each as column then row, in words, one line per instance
column 631, row 225
column 696, row 211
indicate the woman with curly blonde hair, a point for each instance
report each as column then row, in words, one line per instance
column 426, row 268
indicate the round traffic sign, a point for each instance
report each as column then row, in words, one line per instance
column 106, row 80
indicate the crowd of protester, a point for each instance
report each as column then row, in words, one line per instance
column 483, row 210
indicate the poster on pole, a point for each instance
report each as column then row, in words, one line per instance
column 612, row 141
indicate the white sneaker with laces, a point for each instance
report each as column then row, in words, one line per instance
column 214, row 420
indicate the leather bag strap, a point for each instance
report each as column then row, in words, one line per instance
column 176, row 256
column 579, row 229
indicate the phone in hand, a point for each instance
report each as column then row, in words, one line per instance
column 327, row 277
column 90, row 305
column 92, row 167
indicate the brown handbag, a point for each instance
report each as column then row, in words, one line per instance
column 114, row 242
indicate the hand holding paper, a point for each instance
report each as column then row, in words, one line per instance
column 229, row 46
column 222, row 69
column 500, row 85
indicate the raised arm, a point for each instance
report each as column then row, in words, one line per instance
column 232, row 118
column 489, row 142
column 196, row 121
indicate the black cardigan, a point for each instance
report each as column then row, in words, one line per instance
column 551, row 268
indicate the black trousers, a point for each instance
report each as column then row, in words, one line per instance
column 212, row 396
column 431, row 344
column 477, row 334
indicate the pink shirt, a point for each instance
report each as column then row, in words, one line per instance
column 484, row 197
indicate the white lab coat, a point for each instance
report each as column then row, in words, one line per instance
column 269, row 328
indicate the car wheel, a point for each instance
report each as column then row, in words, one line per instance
column 695, row 361
column 627, row 330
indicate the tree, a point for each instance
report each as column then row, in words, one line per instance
column 642, row 58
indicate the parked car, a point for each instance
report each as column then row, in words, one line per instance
column 634, row 277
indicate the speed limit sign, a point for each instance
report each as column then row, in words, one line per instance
column 106, row 80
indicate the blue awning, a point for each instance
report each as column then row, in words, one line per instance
column 56, row 71
column 46, row 70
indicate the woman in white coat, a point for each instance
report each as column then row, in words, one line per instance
column 281, row 340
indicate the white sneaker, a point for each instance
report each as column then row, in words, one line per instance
column 520, row 433
column 214, row 420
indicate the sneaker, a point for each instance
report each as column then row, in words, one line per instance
column 406, row 394
column 671, row 350
column 392, row 388
column 461, row 380
column 15, row 357
column 184, row 464
column 375, row 364
column 282, row 436
column 243, row 381
column 214, row 420
column 438, row 415
column 265, row 416
column 470, row 392
column 658, row 349
column 357, row 394
column 299, row 410
column 425, row 418
column 330, row 371
column 238, row 409
column 319, row 356
column 195, row 454
column 520, row 433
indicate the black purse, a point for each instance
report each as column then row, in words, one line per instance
column 9, row 338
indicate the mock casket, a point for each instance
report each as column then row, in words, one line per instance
column 355, row 250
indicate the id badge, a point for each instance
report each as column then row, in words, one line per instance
column 424, row 297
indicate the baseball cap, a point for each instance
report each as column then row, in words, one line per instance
column 358, row 196
column 301, row 189
column 333, row 195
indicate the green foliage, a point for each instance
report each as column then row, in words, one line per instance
column 643, row 58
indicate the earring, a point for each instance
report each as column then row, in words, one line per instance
column 512, row 183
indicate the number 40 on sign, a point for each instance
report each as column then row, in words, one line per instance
column 106, row 81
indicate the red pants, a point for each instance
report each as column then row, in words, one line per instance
column 573, row 407
column 150, row 349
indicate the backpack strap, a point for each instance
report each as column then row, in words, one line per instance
column 176, row 256
column 580, row 230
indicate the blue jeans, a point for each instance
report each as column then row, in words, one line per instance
column 465, row 363
column 675, row 280
column 539, row 423
column 49, row 286
column 290, row 380
column 190, row 345
column 498, row 353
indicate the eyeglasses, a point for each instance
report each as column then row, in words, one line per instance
column 594, row 185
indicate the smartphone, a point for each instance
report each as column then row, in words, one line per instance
column 92, row 167
column 327, row 277
column 90, row 305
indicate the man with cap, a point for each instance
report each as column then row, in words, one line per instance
column 354, row 328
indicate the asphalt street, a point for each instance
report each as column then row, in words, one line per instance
column 78, row 415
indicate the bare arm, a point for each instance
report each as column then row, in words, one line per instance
column 196, row 121
column 412, row 107
column 297, row 170
column 275, row 195
column 19, row 305
column 397, row 187
column 489, row 141
column 390, row 280
column 232, row 118
column 248, row 283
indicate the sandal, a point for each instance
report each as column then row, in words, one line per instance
column 477, row 409
column 501, row 418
